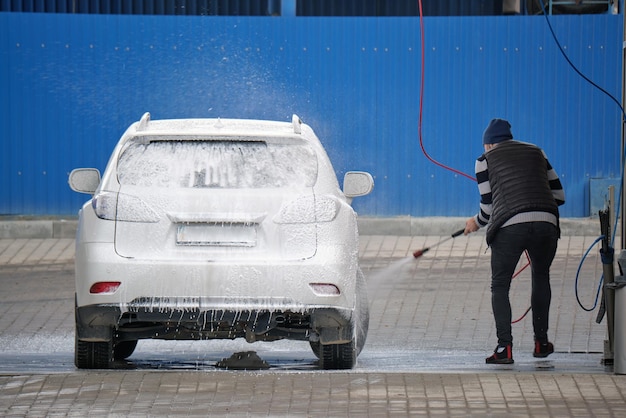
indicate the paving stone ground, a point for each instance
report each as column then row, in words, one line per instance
column 431, row 328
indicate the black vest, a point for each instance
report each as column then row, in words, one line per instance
column 518, row 176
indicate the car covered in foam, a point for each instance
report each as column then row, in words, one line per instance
column 218, row 229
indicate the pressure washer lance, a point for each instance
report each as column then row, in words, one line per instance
column 419, row 253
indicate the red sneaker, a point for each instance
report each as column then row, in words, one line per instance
column 543, row 350
column 501, row 355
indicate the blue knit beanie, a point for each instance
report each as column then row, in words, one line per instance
column 498, row 130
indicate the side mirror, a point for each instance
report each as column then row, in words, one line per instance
column 84, row 180
column 357, row 183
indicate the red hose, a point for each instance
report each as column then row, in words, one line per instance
column 419, row 132
column 419, row 126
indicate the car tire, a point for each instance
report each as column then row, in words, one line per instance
column 124, row 349
column 93, row 355
column 88, row 354
column 343, row 356
column 316, row 348
column 363, row 312
column 338, row 356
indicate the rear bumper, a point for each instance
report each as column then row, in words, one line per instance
column 177, row 319
column 274, row 284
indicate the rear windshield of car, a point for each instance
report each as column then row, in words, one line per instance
column 217, row 164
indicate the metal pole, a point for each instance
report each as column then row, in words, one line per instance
column 607, row 254
column 612, row 205
column 623, row 200
column 619, row 338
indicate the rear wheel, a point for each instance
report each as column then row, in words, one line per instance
column 363, row 312
column 343, row 356
column 338, row 356
column 316, row 346
column 90, row 354
column 124, row 349
column 93, row 355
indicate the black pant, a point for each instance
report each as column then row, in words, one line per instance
column 540, row 240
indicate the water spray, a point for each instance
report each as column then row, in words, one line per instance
column 419, row 253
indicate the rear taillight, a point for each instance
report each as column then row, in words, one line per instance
column 104, row 288
column 122, row 207
column 308, row 209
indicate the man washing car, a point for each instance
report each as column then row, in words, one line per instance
column 519, row 197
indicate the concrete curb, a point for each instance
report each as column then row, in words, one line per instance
column 442, row 226
column 400, row 226
column 38, row 228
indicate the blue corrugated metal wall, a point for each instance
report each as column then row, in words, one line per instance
column 72, row 83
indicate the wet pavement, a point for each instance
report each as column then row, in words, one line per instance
column 430, row 331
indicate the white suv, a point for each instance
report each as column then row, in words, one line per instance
column 218, row 229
